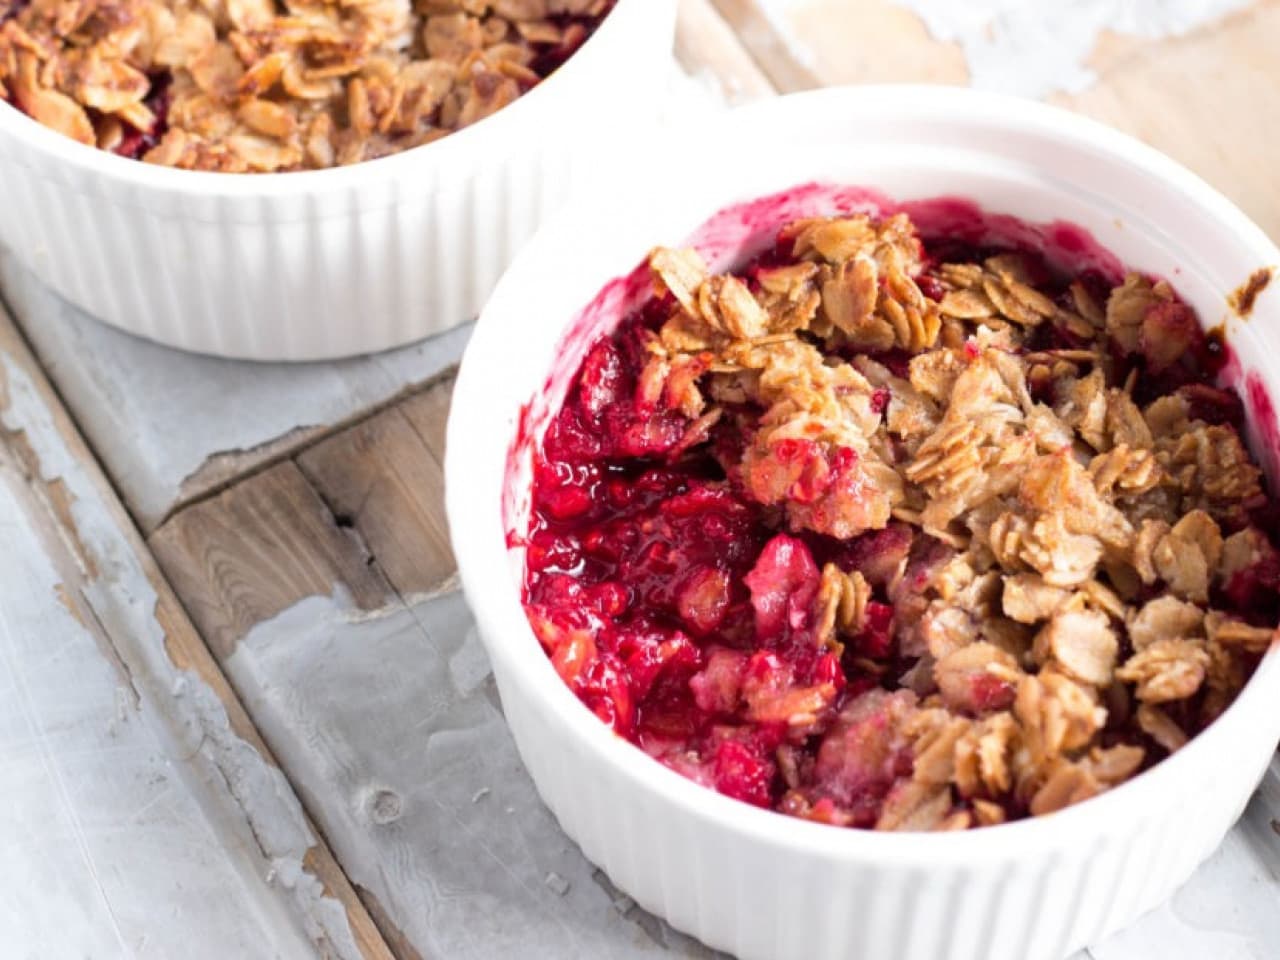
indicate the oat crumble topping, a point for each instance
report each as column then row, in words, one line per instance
column 903, row 535
column 255, row 86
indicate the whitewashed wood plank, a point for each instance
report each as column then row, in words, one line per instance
column 106, row 850
column 1195, row 79
column 390, row 728
column 1051, row 49
column 148, row 818
column 1031, row 50
column 767, row 33
column 171, row 426
column 384, row 715
column 418, row 786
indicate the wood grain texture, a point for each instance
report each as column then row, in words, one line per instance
column 103, row 841
column 1209, row 99
column 245, row 555
column 428, row 412
column 852, row 41
column 390, row 728
column 385, row 479
column 219, row 765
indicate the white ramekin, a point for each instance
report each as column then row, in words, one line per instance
column 758, row 884
column 335, row 262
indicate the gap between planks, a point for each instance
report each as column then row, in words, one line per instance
column 232, row 466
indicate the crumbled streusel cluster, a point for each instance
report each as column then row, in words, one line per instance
column 252, row 85
column 903, row 535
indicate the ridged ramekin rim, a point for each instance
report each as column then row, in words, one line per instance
column 475, row 141
column 519, row 658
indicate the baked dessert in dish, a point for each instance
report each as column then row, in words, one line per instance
column 903, row 533
column 254, row 86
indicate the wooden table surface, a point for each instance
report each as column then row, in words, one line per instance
column 243, row 708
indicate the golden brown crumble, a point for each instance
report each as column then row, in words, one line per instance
column 1082, row 535
column 247, row 86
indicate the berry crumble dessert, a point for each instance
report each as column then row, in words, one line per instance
column 902, row 533
column 254, row 85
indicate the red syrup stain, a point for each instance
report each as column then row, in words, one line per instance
column 1263, row 414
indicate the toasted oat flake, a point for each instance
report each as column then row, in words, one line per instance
column 1236, row 634
column 1082, row 643
column 1165, row 618
column 1166, row 670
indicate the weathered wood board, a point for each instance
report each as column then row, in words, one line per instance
column 107, row 850
column 325, row 586
column 143, row 816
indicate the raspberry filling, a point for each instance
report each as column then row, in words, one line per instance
column 901, row 533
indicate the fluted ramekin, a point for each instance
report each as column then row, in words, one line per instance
column 761, row 885
column 327, row 263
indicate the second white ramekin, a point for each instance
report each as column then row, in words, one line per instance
column 761, row 885
column 328, row 263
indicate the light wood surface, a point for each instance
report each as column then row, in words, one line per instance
column 249, row 553
column 297, row 512
column 87, row 783
column 708, row 46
